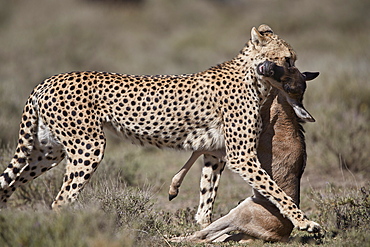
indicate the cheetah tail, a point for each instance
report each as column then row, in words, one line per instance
column 27, row 136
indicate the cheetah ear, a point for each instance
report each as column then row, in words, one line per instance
column 256, row 37
column 264, row 29
column 259, row 37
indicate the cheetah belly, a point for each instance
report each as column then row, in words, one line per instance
column 205, row 139
column 176, row 134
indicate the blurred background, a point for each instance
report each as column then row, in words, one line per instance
column 41, row 38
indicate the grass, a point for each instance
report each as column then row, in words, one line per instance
column 126, row 204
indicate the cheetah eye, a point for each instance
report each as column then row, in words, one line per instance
column 289, row 61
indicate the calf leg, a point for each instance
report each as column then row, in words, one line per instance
column 256, row 218
column 179, row 176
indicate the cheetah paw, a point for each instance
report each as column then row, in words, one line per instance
column 310, row 226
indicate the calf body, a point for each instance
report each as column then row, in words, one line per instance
column 281, row 150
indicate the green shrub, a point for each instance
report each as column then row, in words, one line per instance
column 344, row 214
column 343, row 209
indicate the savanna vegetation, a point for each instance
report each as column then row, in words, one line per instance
column 126, row 204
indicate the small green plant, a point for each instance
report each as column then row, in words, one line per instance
column 345, row 209
column 344, row 213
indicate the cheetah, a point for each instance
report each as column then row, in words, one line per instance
column 217, row 109
column 282, row 152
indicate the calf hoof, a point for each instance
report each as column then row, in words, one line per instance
column 171, row 196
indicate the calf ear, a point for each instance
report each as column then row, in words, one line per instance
column 303, row 114
column 310, row 75
column 300, row 111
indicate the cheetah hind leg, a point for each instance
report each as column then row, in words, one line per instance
column 38, row 163
column 79, row 169
column 33, row 156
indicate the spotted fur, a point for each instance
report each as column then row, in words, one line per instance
column 280, row 127
column 211, row 110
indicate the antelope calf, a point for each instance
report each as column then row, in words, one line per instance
column 282, row 152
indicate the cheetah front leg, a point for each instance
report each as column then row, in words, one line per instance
column 242, row 159
column 210, row 179
column 214, row 164
column 252, row 172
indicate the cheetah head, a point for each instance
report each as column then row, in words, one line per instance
column 291, row 82
column 266, row 45
column 274, row 61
